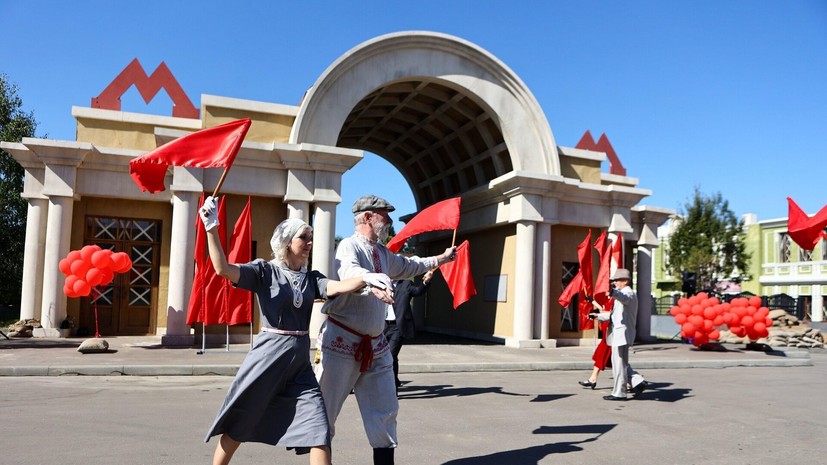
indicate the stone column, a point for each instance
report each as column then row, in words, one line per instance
column 32, row 291
column 324, row 231
column 643, row 287
column 524, row 282
column 298, row 209
column 542, row 286
column 817, row 309
column 186, row 188
column 58, row 236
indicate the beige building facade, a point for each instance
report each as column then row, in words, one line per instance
column 451, row 117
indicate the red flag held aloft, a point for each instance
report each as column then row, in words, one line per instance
column 441, row 215
column 457, row 275
column 240, row 301
column 584, row 256
column 208, row 148
column 601, row 285
column 568, row 293
column 805, row 231
column 617, row 253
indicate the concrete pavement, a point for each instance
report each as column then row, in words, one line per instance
column 145, row 356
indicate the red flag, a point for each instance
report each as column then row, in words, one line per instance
column 441, row 215
column 573, row 287
column 584, row 256
column 457, row 275
column 240, row 301
column 805, row 231
column 601, row 286
column 617, row 253
column 584, row 306
column 196, row 304
column 208, row 148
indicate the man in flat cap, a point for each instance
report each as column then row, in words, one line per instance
column 354, row 352
column 621, row 335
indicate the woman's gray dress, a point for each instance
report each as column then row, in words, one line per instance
column 275, row 398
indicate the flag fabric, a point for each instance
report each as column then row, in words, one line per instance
column 601, row 285
column 569, row 292
column 441, row 215
column 208, row 299
column 584, row 307
column 240, row 301
column 208, row 148
column 617, row 253
column 584, row 256
column 196, row 303
column 804, row 230
column 457, row 275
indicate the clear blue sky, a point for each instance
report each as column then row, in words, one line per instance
column 726, row 95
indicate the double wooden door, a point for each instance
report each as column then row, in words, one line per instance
column 127, row 305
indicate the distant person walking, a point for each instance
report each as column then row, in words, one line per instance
column 399, row 322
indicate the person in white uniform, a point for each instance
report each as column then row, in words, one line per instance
column 621, row 335
column 354, row 352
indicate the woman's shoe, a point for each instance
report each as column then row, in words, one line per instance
column 588, row 384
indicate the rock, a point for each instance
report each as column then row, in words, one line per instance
column 93, row 345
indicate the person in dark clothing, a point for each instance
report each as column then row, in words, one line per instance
column 399, row 322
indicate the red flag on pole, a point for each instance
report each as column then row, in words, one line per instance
column 240, row 302
column 805, row 231
column 208, row 148
column 601, row 285
column 441, row 215
column 584, row 306
column 457, row 275
column 617, row 253
column 584, row 256
column 568, row 293
column 196, row 303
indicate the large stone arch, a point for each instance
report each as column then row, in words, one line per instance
column 449, row 115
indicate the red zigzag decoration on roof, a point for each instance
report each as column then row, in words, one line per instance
column 602, row 145
column 148, row 86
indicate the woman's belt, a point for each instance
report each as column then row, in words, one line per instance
column 284, row 331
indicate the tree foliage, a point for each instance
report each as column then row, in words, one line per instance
column 14, row 126
column 710, row 241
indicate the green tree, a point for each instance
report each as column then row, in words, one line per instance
column 709, row 241
column 14, row 126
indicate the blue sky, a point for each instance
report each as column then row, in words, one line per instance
column 726, row 95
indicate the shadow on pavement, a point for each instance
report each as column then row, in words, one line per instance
column 37, row 343
column 431, row 392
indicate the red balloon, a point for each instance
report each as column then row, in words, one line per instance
column 707, row 325
column 739, row 331
column 755, row 301
column 121, row 261
column 697, row 309
column 107, row 277
column 73, row 255
column 759, row 327
column 79, row 267
column 747, row 321
column 64, row 267
column 714, row 335
column 70, row 281
column 709, row 313
column 87, row 251
column 680, row 318
column 102, row 259
column 718, row 321
column 94, row 276
column 768, row 322
column 69, row 291
column 682, row 300
column 81, row 287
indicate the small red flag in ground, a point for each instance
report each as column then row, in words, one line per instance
column 208, row 299
column 208, row 148
column 457, row 275
column 240, row 301
column 805, row 231
column 441, row 215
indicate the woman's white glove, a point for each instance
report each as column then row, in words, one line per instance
column 209, row 213
column 378, row 280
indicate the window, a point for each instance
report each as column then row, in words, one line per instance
column 784, row 248
column 569, row 317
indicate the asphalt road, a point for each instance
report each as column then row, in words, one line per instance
column 692, row 416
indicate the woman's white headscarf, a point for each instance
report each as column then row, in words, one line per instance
column 284, row 234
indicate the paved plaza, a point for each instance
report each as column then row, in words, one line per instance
column 746, row 414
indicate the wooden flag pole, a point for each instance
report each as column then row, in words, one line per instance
column 454, row 239
column 220, row 181
column 596, row 325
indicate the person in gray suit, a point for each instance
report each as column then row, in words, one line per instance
column 621, row 335
column 399, row 320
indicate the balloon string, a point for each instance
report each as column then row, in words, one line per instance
column 95, row 303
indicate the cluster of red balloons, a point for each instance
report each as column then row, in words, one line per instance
column 91, row 266
column 700, row 315
column 747, row 317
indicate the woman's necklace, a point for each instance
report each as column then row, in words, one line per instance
column 297, row 281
